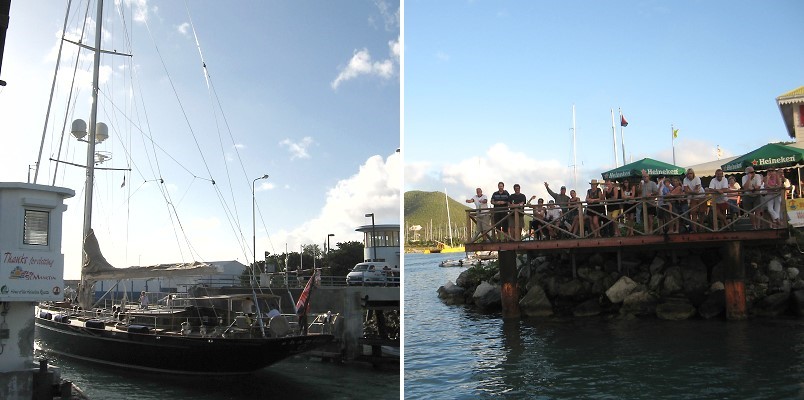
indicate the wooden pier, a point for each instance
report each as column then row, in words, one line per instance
column 731, row 236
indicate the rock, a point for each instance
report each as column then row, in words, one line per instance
column 798, row 302
column 657, row 265
column 792, row 273
column 451, row 294
column 714, row 305
column 572, row 289
column 535, row 303
column 463, row 280
column 717, row 272
column 642, row 277
column 487, row 296
column 675, row 311
column 639, row 303
column 630, row 266
column 673, row 281
column 773, row 305
column 775, row 265
column 621, row 289
column 694, row 274
column 717, row 286
column 588, row 308
column 655, row 283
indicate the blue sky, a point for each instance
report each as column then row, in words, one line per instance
column 489, row 86
column 304, row 91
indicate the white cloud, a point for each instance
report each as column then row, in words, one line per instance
column 442, row 56
column 265, row 186
column 375, row 188
column 362, row 64
column 184, row 29
column 298, row 149
column 140, row 9
column 390, row 16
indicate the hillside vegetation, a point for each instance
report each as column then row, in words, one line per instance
column 426, row 208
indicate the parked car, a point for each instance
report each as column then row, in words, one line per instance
column 373, row 273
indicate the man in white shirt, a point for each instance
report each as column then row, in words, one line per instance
column 692, row 187
column 752, row 183
column 481, row 204
column 720, row 186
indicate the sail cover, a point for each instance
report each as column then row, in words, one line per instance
column 96, row 267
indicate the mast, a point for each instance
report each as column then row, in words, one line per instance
column 449, row 222
column 86, row 295
column 574, row 151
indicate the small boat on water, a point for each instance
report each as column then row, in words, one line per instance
column 478, row 258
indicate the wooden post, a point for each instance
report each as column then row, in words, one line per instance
column 735, row 281
column 509, row 292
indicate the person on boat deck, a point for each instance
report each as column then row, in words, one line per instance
column 648, row 191
column 576, row 213
column 517, row 202
column 561, row 198
column 734, row 197
column 720, row 186
column 627, row 193
column 247, row 306
column 143, row 300
column 752, row 183
column 500, row 202
column 481, row 202
column 612, row 193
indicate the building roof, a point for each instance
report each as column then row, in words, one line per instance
column 786, row 103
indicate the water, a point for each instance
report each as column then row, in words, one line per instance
column 298, row 377
column 452, row 352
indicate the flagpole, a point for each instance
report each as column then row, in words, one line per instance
column 673, row 140
column 614, row 136
column 622, row 138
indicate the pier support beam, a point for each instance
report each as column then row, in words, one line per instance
column 734, row 275
column 509, row 290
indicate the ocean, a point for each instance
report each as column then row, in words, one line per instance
column 299, row 377
column 454, row 352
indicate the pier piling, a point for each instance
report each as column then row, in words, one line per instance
column 734, row 281
column 509, row 290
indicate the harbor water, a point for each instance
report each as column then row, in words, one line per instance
column 454, row 352
column 299, row 377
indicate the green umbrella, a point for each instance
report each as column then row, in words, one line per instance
column 771, row 155
column 635, row 168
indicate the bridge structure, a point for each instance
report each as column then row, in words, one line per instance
column 618, row 232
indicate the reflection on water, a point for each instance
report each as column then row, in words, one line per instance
column 455, row 352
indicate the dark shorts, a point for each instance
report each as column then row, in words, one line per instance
column 664, row 211
column 750, row 202
column 499, row 215
column 596, row 209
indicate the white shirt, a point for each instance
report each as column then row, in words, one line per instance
column 717, row 185
column 480, row 201
column 692, row 184
column 752, row 186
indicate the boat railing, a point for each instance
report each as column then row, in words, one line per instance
column 620, row 215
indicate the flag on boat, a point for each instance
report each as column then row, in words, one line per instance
column 623, row 121
column 303, row 304
column 675, row 133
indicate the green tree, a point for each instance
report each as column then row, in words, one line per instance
column 343, row 257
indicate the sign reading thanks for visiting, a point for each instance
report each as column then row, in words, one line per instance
column 31, row 276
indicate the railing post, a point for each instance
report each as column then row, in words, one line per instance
column 581, row 218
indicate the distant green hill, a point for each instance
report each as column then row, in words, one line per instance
column 426, row 208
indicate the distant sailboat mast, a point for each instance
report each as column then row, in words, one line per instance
column 449, row 221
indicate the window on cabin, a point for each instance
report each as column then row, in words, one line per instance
column 36, row 228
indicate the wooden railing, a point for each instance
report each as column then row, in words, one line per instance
column 482, row 222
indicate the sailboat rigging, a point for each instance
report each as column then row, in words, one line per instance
column 191, row 334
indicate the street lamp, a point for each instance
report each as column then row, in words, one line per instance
column 329, row 236
column 254, row 228
column 373, row 238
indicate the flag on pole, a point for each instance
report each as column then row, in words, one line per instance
column 623, row 121
column 303, row 304
column 675, row 133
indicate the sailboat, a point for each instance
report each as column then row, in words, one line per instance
column 202, row 335
column 442, row 247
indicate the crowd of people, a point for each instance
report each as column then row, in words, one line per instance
column 672, row 205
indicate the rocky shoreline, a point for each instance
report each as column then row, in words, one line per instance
column 670, row 285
